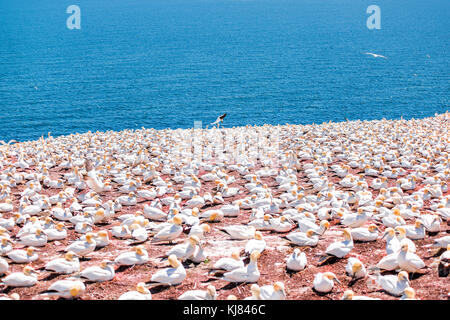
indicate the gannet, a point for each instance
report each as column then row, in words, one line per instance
column 323, row 282
column 208, row 294
column 365, row 234
column 394, row 285
column 240, row 232
column 409, row 261
column 228, row 263
column 392, row 243
column 249, row 273
column 184, row 250
column 339, row 249
column 256, row 292
column 66, row 288
column 23, row 256
column 82, row 247
column 169, row 233
column 256, row 244
column 104, row 272
column 355, row 268
column 141, row 293
column 67, row 265
column 170, row 276
column 27, row 278
column 137, row 256
column 4, row 266
column 296, row 261
column 309, row 238
column 273, row 292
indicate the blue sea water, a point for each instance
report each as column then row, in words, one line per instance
column 168, row 63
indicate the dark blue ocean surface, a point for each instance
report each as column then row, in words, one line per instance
column 168, row 63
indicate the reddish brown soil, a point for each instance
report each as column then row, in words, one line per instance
column 271, row 263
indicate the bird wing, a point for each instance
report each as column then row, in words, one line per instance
column 240, row 275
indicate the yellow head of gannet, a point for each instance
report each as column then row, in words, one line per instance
column 389, row 231
column 194, row 240
column 177, row 220
column 89, row 237
column 254, row 256
column 213, row 216
column 141, row 288
column 139, row 250
column 29, row 270
column 409, row 293
column 76, row 289
column 347, row 234
column 279, row 286
column 69, row 255
column 258, row 235
column 31, row 250
column 173, row 261
column 331, row 276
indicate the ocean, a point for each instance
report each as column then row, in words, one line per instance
column 168, row 63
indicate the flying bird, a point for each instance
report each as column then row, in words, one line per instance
column 375, row 55
column 219, row 119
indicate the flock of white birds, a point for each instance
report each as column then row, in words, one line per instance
column 376, row 181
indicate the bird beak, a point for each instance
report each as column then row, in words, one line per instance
column 336, row 279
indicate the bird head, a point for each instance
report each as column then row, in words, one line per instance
column 254, row 256
column 331, row 276
column 76, row 289
column 173, row 261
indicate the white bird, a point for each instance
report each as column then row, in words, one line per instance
column 208, row 294
column 392, row 243
column 375, row 55
column 323, row 282
column 199, row 230
column 66, row 265
column 339, row 249
column 5, row 246
column 219, row 120
column 27, row 278
column 394, row 285
column 170, row 276
column 309, row 238
column 170, row 232
column 4, row 266
column 296, row 261
column 23, row 256
column 104, row 272
column 82, row 247
column 249, row 273
column 129, row 258
column 66, row 288
column 273, row 292
column 256, row 292
column 256, row 244
column 240, row 232
column 184, row 250
column 228, row 263
column 409, row 261
column 36, row 239
column 389, row 262
column 355, row 268
column 365, row 234
column 141, row 293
